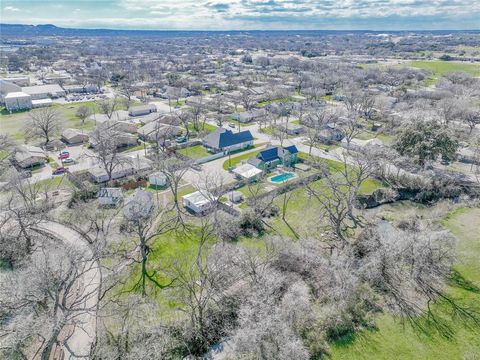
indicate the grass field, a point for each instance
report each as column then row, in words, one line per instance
column 438, row 68
column 194, row 152
column 394, row 340
column 14, row 124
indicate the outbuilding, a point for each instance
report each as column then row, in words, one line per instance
column 247, row 172
column 141, row 110
column 157, row 179
column 198, row 202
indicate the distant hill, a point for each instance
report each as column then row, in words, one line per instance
column 19, row 30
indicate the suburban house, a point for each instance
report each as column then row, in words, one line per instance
column 110, row 196
column 330, row 133
column 17, row 101
column 74, row 136
column 121, row 125
column 99, row 175
column 198, row 202
column 223, row 140
column 139, row 205
column 141, row 110
column 247, row 172
column 28, row 156
column 247, row 116
column 273, row 156
column 157, row 130
column 157, row 179
column 292, row 129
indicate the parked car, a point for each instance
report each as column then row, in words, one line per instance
column 232, row 125
column 63, row 156
column 181, row 139
column 59, row 171
column 68, row 161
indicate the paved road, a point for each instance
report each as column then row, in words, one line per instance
column 83, row 334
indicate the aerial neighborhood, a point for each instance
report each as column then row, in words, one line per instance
column 239, row 195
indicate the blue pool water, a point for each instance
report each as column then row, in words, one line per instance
column 282, row 177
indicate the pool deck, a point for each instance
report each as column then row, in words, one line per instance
column 295, row 176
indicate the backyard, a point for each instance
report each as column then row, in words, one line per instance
column 394, row 337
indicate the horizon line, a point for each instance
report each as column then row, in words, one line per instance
column 236, row 30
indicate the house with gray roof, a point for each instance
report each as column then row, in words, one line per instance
column 224, row 140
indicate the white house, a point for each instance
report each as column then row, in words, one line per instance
column 157, row 179
column 17, row 101
column 110, row 196
column 156, row 130
column 198, row 202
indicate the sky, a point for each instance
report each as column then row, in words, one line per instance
column 246, row 14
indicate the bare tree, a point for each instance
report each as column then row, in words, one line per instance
column 43, row 123
column 82, row 113
column 43, row 300
column 146, row 222
column 108, row 106
column 106, row 152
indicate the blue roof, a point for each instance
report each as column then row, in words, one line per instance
column 268, row 154
column 292, row 149
column 222, row 138
column 274, row 152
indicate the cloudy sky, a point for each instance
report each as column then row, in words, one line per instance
column 246, row 14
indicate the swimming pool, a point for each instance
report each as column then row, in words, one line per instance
column 282, row 177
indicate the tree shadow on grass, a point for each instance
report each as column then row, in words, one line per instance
column 459, row 281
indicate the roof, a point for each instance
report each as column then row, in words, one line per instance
column 71, row 133
column 110, row 192
column 198, row 198
column 42, row 89
column 222, row 138
column 254, row 161
column 42, row 102
column 138, row 205
column 146, row 107
column 247, row 171
column 274, row 152
column 17, row 94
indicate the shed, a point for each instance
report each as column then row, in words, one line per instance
column 198, row 202
column 157, row 179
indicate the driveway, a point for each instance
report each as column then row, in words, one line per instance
column 79, row 337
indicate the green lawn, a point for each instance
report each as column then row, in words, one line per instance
column 394, row 340
column 237, row 159
column 14, row 124
column 203, row 127
column 368, row 135
column 194, row 152
column 438, row 68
